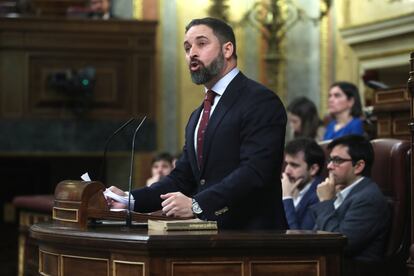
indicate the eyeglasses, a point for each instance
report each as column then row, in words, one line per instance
column 336, row 161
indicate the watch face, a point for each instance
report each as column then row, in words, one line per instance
column 196, row 208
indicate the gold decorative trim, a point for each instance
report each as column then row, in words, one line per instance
column 68, row 210
column 241, row 263
column 70, row 201
column 22, row 245
column 41, row 252
column 317, row 262
column 126, row 262
column 83, row 258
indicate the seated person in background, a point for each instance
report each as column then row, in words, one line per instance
column 304, row 120
column 100, row 9
column 304, row 160
column 161, row 166
column 352, row 204
column 344, row 105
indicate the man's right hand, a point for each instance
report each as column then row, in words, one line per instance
column 326, row 189
column 113, row 204
column 289, row 188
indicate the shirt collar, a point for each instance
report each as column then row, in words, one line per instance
column 222, row 84
column 305, row 189
column 344, row 193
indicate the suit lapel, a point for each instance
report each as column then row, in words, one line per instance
column 303, row 204
column 226, row 102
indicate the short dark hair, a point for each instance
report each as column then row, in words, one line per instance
column 306, row 110
column 163, row 156
column 221, row 29
column 313, row 153
column 359, row 148
column 351, row 92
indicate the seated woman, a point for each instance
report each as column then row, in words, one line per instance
column 344, row 106
column 304, row 120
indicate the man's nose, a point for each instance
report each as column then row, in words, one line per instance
column 193, row 52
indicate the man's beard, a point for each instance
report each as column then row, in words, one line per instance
column 206, row 73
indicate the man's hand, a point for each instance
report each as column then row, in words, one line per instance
column 113, row 204
column 289, row 188
column 326, row 189
column 177, row 205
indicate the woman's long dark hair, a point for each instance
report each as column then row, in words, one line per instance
column 306, row 110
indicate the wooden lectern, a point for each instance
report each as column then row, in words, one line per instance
column 71, row 245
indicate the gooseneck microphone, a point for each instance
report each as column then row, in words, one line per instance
column 107, row 145
column 131, row 173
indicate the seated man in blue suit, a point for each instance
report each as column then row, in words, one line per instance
column 352, row 204
column 304, row 160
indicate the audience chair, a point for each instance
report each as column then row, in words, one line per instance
column 391, row 171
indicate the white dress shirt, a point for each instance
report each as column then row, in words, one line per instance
column 340, row 196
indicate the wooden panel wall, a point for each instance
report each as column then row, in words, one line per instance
column 32, row 49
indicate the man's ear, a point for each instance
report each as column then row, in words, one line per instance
column 359, row 167
column 314, row 169
column 228, row 49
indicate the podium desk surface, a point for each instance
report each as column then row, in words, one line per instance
column 138, row 236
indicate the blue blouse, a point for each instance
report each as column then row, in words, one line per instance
column 353, row 127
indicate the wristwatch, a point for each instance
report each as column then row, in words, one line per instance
column 195, row 207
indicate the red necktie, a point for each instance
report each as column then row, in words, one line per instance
column 208, row 102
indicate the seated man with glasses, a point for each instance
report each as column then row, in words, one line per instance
column 352, row 204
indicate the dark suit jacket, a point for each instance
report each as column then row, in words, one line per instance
column 239, row 184
column 363, row 217
column 301, row 217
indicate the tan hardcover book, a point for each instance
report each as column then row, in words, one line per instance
column 188, row 224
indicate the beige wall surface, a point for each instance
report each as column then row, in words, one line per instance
column 359, row 14
column 368, row 11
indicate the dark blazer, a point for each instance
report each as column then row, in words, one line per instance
column 363, row 217
column 239, row 184
column 301, row 217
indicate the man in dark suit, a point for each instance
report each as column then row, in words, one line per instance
column 304, row 161
column 231, row 163
column 352, row 204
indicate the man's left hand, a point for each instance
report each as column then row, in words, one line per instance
column 177, row 205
